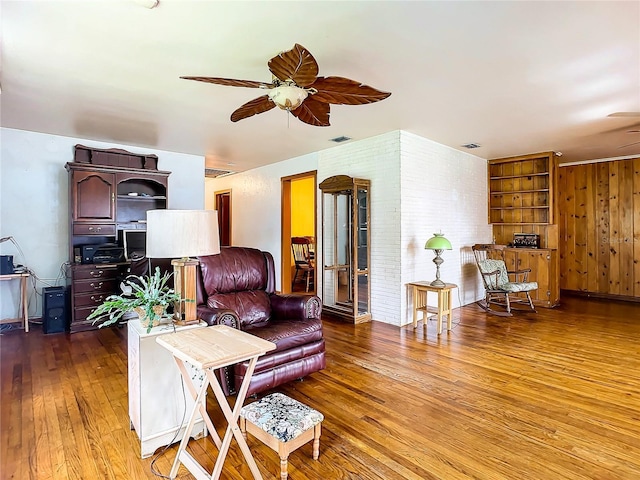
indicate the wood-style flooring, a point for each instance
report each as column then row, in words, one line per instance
column 553, row 395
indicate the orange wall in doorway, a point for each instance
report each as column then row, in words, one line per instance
column 302, row 214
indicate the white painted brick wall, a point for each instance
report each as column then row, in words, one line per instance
column 376, row 159
column 443, row 190
column 418, row 187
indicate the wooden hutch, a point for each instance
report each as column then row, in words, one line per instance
column 523, row 200
column 110, row 192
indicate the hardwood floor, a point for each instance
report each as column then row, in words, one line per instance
column 553, row 395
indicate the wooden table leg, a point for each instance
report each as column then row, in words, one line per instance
column 185, row 438
column 25, row 305
column 232, row 417
column 449, row 319
column 415, row 306
column 440, row 309
column 203, row 405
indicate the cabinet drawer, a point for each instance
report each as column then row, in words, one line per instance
column 90, row 299
column 94, row 229
column 93, row 272
column 95, row 286
column 81, row 314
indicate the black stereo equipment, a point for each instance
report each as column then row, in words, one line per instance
column 55, row 309
column 526, row 240
column 108, row 253
column 87, row 252
column 104, row 253
column 6, row 264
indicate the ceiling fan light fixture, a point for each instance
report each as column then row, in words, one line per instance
column 288, row 97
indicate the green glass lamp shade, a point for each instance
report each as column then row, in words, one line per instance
column 438, row 242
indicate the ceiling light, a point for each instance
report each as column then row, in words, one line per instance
column 471, row 145
column 288, row 97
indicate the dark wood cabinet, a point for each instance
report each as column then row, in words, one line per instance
column 93, row 196
column 105, row 200
column 90, row 286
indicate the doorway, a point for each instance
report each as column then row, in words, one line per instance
column 223, row 206
column 298, row 220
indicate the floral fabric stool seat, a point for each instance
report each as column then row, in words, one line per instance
column 283, row 424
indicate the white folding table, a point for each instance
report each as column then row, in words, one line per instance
column 208, row 349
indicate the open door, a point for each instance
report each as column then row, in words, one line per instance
column 298, row 220
column 223, row 206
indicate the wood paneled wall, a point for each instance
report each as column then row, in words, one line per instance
column 599, row 208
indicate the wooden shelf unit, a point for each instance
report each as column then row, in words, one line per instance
column 100, row 206
column 523, row 199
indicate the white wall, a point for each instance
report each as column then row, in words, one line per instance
column 442, row 190
column 34, row 202
column 376, row 159
column 256, row 204
column 418, row 187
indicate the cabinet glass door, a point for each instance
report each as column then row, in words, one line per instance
column 345, row 240
column 362, row 248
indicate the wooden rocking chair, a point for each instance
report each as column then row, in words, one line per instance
column 497, row 284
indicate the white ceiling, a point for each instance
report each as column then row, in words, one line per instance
column 515, row 77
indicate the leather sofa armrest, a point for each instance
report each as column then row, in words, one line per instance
column 293, row 305
column 219, row 316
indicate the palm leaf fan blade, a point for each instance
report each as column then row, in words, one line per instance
column 230, row 82
column 253, row 107
column 312, row 112
column 629, row 145
column 296, row 64
column 344, row 91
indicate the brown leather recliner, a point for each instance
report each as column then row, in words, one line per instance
column 243, row 280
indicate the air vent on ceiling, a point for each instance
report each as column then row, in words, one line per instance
column 471, row 145
column 340, row 139
column 215, row 173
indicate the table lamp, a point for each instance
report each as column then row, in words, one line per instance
column 180, row 235
column 438, row 243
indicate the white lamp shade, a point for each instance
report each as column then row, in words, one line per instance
column 182, row 233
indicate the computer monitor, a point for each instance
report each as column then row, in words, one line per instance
column 134, row 243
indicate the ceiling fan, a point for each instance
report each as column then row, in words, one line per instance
column 627, row 114
column 297, row 88
column 630, row 144
column 624, row 114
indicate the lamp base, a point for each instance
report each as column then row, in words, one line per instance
column 437, row 283
column 182, row 323
column 184, row 280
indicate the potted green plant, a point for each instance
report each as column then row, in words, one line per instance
column 149, row 298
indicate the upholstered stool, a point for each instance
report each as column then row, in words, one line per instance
column 283, row 424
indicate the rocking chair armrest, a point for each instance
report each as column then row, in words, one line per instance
column 488, row 274
column 524, row 273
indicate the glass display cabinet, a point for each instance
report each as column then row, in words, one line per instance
column 345, row 243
